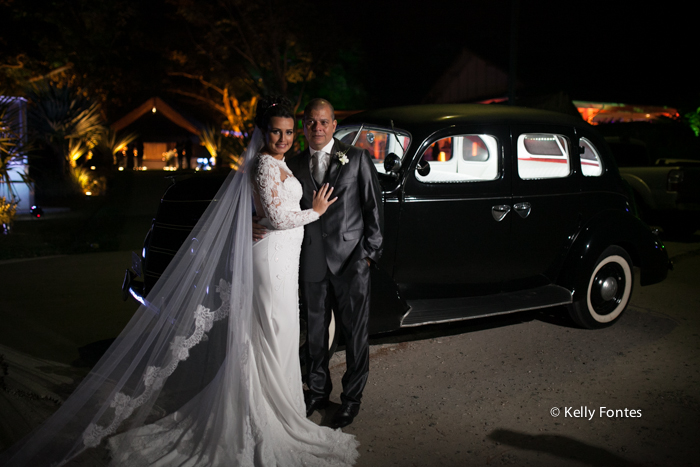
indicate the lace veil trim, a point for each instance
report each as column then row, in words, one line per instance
column 211, row 271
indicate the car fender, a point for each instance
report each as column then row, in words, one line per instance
column 614, row 228
column 640, row 189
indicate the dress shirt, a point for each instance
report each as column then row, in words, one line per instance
column 327, row 155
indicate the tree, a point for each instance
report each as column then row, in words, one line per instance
column 224, row 150
column 65, row 126
column 219, row 54
column 67, row 122
column 222, row 99
column 106, row 49
column 11, row 148
column 692, row 119
column 241, row 49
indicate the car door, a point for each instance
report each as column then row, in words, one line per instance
column 454, row 222
column 599, row 186
column 545, row 203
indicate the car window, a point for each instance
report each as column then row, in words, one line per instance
column 378, row 142
column 543, row 155
column 463, row 158
column 591, row 166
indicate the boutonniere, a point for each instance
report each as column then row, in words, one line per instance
column 342, row 157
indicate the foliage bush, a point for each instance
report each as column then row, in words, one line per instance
column 11, row 147
column 7, row 214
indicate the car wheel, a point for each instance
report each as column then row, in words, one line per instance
column 607, row 290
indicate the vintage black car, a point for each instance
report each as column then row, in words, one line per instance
column 488, row 210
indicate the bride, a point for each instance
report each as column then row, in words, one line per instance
column 225, row 315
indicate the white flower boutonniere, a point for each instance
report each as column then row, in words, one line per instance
column 342, row 157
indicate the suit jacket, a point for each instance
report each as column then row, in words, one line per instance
column 351, row 228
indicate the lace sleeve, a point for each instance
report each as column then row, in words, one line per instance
column 268, row 185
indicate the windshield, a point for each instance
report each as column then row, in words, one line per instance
column 378, row 141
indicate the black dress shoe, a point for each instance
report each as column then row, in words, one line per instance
column 315, row 404
column 345, row 415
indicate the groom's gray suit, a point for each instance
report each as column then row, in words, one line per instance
column 334, row 270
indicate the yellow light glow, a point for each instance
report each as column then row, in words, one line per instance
column 121, row 169
column 153, row 109
column 442, row 157
column 88, row 193
column 92, row 167
column 475, row 149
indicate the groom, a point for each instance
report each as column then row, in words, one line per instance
column 336, row 256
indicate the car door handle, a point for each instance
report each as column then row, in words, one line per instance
column 523, row 209
column 499, row 212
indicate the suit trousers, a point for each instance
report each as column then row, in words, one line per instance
column 349, row 295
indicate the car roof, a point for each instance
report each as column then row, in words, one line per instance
column 436, row 116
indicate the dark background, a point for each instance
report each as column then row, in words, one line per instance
column 391, row 52
column 606, row 51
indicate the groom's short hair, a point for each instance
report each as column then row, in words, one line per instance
column 315, row 104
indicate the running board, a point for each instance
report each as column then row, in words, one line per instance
column 444, row 310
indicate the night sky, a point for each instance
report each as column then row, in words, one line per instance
column 610, row 51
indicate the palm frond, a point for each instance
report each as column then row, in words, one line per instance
column 10, row 146
column 115, row 143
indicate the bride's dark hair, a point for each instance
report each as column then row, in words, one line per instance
column 272, row 106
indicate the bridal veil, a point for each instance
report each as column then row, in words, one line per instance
column 195, row 321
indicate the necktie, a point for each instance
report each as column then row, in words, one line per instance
column 320, row 165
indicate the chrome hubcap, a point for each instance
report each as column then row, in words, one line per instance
column 608, row 289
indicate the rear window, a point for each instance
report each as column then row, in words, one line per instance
column 543, row 155
column 591, row 166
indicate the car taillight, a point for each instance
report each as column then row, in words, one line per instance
column 675, row 179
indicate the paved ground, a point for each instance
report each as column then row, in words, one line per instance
column 481, row 395
column 51, row 307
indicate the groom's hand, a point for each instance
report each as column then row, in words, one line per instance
column 259, row 231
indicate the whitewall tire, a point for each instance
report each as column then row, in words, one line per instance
column 607, row 290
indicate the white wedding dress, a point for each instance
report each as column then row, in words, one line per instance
column 276, row 431
column 206, row 373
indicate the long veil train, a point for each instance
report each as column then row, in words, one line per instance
column 196, row 319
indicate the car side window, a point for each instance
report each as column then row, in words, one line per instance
column 591, row 166
column 543, row 155
column 463, row 158
column 379, row 143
